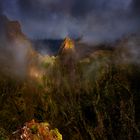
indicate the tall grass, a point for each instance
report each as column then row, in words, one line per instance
column 91, row 99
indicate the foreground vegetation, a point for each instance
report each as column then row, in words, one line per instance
column 93, row 98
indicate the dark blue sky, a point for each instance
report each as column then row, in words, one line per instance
column 95, row 20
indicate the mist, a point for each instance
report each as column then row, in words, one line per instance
column 15, row 49
column 14, row 59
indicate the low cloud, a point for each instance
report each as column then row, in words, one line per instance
column 94, row 20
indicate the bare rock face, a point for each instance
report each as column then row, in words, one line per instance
column 67, row 54
column 10, row 30
column 16, row 53
column 67, row 51
column 67, row 46
column 67, row 60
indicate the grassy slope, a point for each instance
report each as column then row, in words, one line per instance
column 97, row 99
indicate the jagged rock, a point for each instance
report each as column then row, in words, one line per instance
column 67, row 46
column 67, row 61
column 16, row 52
column 67, row 55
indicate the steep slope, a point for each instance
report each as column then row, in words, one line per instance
column 11, row 29
column 16, row 53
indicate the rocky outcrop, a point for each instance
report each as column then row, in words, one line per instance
column 16, row 52
column 67, row 55
column 67, row 47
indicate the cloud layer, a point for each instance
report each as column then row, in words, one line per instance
column 93, row 19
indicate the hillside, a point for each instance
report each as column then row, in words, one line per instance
column 86, row 96
column 16, row 51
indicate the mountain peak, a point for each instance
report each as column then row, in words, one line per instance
column 10, row 29
column 67, row 45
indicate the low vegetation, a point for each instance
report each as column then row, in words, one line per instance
column 95, row 98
